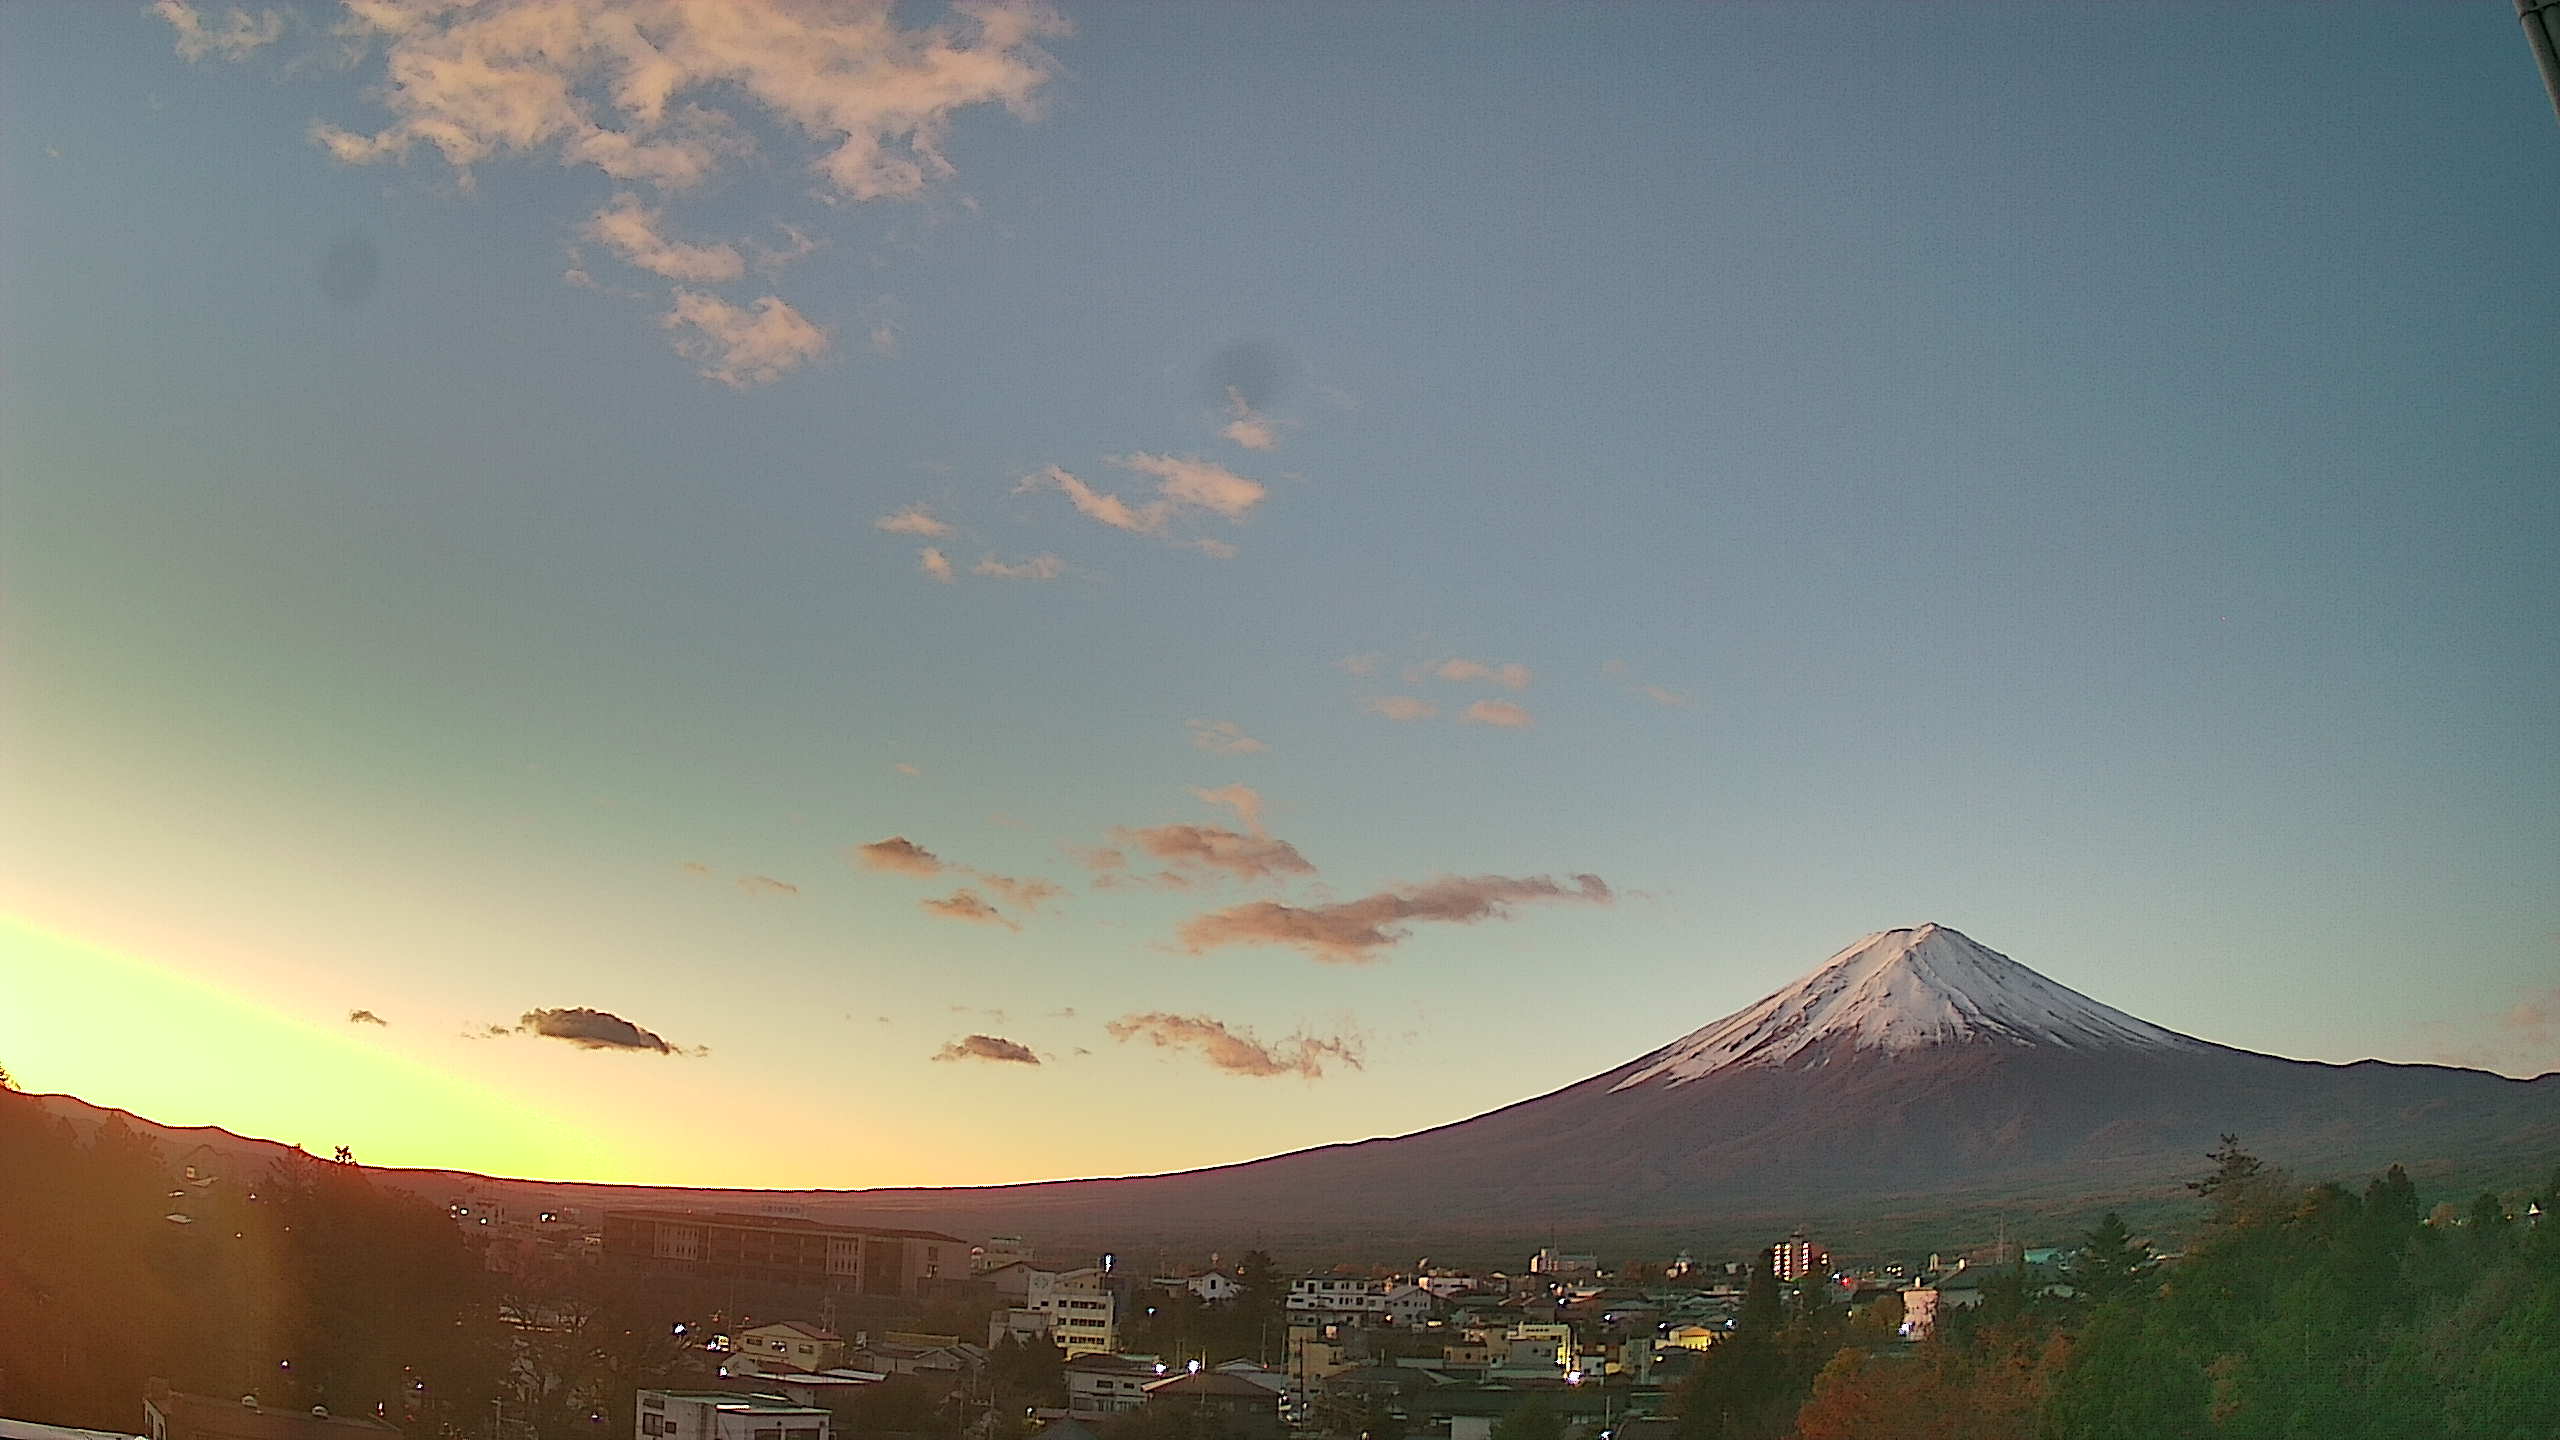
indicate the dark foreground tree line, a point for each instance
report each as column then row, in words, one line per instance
column 2300, row 1311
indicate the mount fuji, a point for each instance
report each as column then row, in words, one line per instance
column 1914, row 1077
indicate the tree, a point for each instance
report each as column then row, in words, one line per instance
column 2111, row 1263
column 1531, row 1419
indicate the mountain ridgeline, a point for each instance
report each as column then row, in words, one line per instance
column 1914, row 1076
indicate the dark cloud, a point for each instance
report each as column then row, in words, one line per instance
column 365, row 1017
column 766, row 885
column 595, row 1030
column 899, row 855
column 1237, row 1051
column 987, row 1047
column 1360, row 931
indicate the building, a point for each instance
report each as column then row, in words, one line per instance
column 1018, row 1323
column 31, row 1430
column 1558, row 1265
column 1108, row 1384
column 1214, row 1287
column 781, row 1251
column 718, row 1415
column 792, row 1345
column 1083, row 1309
column 1797, row 1257
column 998, row 1252
column 1335, row 1297
column 1219, row 1404
column 174, row 1415
column 1408, row 1305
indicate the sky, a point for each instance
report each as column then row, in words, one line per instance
column 809, row 594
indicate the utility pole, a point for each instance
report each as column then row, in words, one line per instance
column 2542, row 31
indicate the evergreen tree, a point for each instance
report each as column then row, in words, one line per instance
column 2111, row 1263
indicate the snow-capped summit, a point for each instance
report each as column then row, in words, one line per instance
column 1900, row 990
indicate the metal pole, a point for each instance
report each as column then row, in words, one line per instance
column 2541, row 20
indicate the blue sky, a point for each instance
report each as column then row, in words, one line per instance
column 2086, row 483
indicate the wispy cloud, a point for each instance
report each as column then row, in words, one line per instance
column 913, row 520
column 365, row 1017
column 596, row 1030
column 1500, row 713
column 1186, row 488
column 899, row 855
column 1363, row 665
column 239, row 35
column 1664, row 695
column 1019, row 892
column 766, row 885
column 967, row 904
column 1036, row 567
column 1511, row 675
column 1224, row 737
column 988, row 1047
column 1361, row 931
column 1400, row 708
column 631, row 230
column 1243, row 800
column 903, row 768
column 695, row 867
column 934, row 564
column 742, row 346
column 1235, row 1050
column 1209, row 847
column 1247, row 427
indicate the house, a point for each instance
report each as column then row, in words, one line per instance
column 1106, row 1384
column 1016, row 1322
column 720, row 1415
column 174, row 1415
column 1214, row 1287
column 1012, row 1280
column 796, row 1344
column 1223, row 1405
column 1336, row 1297
column 1409, row 1305
column 1925, row 1304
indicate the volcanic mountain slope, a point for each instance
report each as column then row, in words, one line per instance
column 1916, row 1072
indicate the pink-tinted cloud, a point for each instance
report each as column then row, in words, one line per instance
column 988, row 1047
column 1208, row 847
column 1499, row 713
column 934, row 564
column 238, row 36
column 913, row 520
column 1247, row 427
column 635, row 232
column 1665, row 695
column 1361, row 931
column 903, row 768
column 1363, row 665
column 1243, row 800
column 1400, row 708
column 1224, row 737
column 742, row 346
column 1185, row 489
column 1021, row 893
column 967, row 904
column 1234, row 1050
column 899, row 855
column 1036, row 567
column 1510, row 675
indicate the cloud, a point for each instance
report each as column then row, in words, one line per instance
column 934, row 563
column 987, row 1047
column 1363, row 665
column 1500, row 713
column 1511, row 676
column 766, row 885
column 694, row 867
column 1246, row 426
column 1664, row 695
column 1036, row 567
column 742, row 347
column 903, row 768
column 630, row 229
column 1224, row 737
column 1208, row 847
column 1400, row 708
column 595, row 1030
column 365, row 1017
column 884, row 338
column 899, row 855
column 1237, row 1051
column 1244, row 800
column 1357, row 932
column 239, row 36
column 913, row 520
column 967, row 904
column 1027, row 894
column 1185, row 488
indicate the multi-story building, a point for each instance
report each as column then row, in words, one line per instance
column 782, row 1251
column 1105, row 1384
column 1083, row 1310
column 1559, row 1265
column 1797, row 1257
column 1335, row 1297
column 719, row 1415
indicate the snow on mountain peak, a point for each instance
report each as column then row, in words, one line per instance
column 1900, row 990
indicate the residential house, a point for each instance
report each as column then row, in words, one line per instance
column 1214, row 1287
column 724, row 1415
column 1228, row 1406
column 796, row 1344
column 1106, row 1384
column 1409, row 1305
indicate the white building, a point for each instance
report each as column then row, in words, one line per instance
column 1083, row 1313
column 1214, row 1287
column 1563, row 1266
column 1108, row 1384
column 710, row 1415
column 1409, row 1305
column 1335, row 1297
